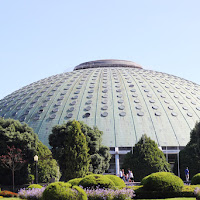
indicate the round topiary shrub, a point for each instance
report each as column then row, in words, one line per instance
column 195, row 179
column 75, row 181
column 34, row 186
column 81, row 193
column 96, row 180
column 119, row 183
column 162, row 181
column 59, row 191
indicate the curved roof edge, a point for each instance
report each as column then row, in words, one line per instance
column 107, row 63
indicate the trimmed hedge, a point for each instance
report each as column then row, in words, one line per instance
column 34, row 186
column 96, row 180
column 195, row 179
column 75, row 181
column 162, row 182
column 187, row 191
column 119, row 183
column 63, row 191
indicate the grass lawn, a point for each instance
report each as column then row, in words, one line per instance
column 177, row 198
column 11, row 198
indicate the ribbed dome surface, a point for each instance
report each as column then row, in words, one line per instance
column 124, row 103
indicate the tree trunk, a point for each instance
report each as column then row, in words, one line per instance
column 13, row 177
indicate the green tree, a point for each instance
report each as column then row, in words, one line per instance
column 190, row 155
column 47, row 166
column 13, row 133
column 70, row 149
column 145, row 159
column 100, row 155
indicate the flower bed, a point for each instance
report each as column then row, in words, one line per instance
column 31, row 194
column 6, row 193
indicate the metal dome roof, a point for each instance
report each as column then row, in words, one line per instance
column 124, row 102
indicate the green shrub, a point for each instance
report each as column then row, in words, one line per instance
column 31, row 178
column 75, row 181
column 34, row 186
column 81, row 193
column 119, row 183
column 63, row 191
column 195, row 179
column 162, row 181
column 96, row 180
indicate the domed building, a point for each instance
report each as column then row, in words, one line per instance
column 121, row 98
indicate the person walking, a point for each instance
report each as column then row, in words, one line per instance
column 131, row 176
column 187, row 172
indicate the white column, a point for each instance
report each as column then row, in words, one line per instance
column 117, row 160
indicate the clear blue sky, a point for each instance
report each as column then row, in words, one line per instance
column 42, row 38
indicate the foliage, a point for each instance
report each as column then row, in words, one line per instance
column 145, row 159
column 31, row 178
column 119, row 183
column 70, row 149
column 63, row 191
column 75, row 181
column 195, row 179
column 100, row 155
column 47, row 166
column 197, row 193
column 81, row 193
column 109, row 194
column 190, row 155
column 13, row 133
column 162, row 181
column 31, row 193
column 96, row 180
column 13, row 160
column 6, row 193
column 34, row 186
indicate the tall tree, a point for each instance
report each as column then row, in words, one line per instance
column 13, row 133
column 13, row 160
column 145, row 159
column 190, row 155
column 70, row 148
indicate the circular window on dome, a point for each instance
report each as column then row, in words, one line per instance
column 121, row 101
column 188, row 97
column 174, row 114
column 136, row 101
column 157, row 114
column 58, row 103
column 52, row 116
column 121, row 107
column 133, row 90
column 170, row 107
column 75, row 97
column 138, row 107
column 131, row 85
column 55, row 110
column 87, row 115
column 181, row 102
column 119, row 95
column 87, row 108
column 63, row 93
column 189, row 114
column 129, row 81
column 104, row 108
column 118, row 90
column 117, row 86
column 152, row 101
column 91, row 86
column 122, row 114
column 155, row 86
column 69, row 115
column 140, row 113
column 69, row 84
column 134, row 95
column 104, row 86
column 89, row 102
column 104, row 102
column 105, row 91
column 155, row 107
column 185, row 108
column 149, row 95
column 104, row 96
column 89, row 96
column 70, row 109
column 146, row 90
column 90, row 91
column 172, row 91
column 104, row 114
column 198, row 108
column 182, row 92
column 116, row 81
column 77, row 92
column 73, row 103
